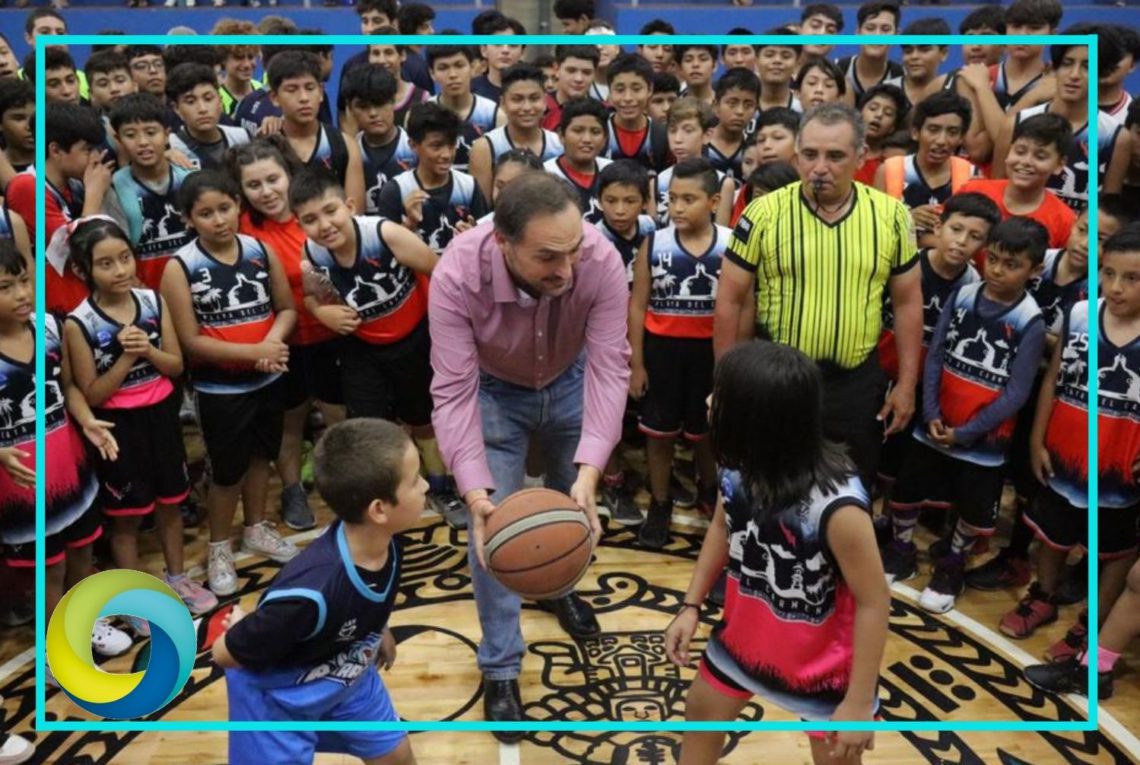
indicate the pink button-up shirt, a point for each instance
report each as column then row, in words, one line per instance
column 480, row 320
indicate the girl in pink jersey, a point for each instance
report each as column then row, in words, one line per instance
column 806, row 603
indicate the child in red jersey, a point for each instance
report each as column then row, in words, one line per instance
column 806, row 604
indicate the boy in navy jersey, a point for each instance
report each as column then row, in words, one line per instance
column 978, row 374
column 311, row 649
column 433, row 200
column 295, row 87
column 193, row 91
column 670, row 330
column 450, row 67
column 385, row 151
column 583, row 133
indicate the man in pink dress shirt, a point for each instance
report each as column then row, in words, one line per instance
column 528, row 318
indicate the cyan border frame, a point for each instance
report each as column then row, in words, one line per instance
column 42, row 724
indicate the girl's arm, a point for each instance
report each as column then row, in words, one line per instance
column 167, row 359
column 710, row 564
column 96, row 431
column 94, row 387
column 410, row 250
column 851, row 538
column 638, row 304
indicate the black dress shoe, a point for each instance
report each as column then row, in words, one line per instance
column 575, row 615
column 502, row 703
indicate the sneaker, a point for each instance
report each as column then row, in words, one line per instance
column 263, row 539
column 220, row 571
column 1068, row 677
column 706, row 500
column 108, row 640
column 1074, row 585
column 623, row 510
column 16, row 749
column 196, row 597
column 654, row 532
column 1035, row 610
column 900, row 562
column 141, row 627
column 1074, row 641
column 945, row 586
column 1000, row 573
column 448, row 504
column 295, row 510
column 682, row 496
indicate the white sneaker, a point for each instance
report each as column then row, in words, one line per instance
column 108, row 640
column 220, row 573
column 936, row 602
column 263, row 539
column 16, row 749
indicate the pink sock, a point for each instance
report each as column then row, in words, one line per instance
column 1105, row 659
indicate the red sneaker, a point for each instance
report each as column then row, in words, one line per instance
column 1035, row 610
column 1075, row 641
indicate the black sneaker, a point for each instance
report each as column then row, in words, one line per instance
column 295, row 510
column 623, row 510
column 945, row 586
column 900, row 562
column 1000, row 573
column 448, row 504
column 654, row 533
column 681, row 496
column 1068, row 677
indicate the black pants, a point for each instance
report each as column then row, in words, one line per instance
column 852, row 399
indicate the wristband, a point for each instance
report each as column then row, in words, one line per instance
column 685, row 605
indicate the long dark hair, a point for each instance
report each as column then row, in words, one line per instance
column 767, row 423
column 81, row 245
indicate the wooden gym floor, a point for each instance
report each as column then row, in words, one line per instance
column 954, row 667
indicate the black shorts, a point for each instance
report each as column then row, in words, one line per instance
column 83, row 532
column 1062, row 526
column 680, row 371
column 240, row 426
column 852, row 399
column 314, row 373
column 391, row 381
column 932, row 478
column 152, row 459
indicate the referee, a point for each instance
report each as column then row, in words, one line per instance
column 818, row 255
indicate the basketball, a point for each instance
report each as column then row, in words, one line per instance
column 538, row 543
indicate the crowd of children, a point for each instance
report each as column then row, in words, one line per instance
column 227, row 246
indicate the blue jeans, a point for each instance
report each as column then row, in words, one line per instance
column 511, row 414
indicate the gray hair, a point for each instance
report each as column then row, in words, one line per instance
column 835, row 113
column 531, row 195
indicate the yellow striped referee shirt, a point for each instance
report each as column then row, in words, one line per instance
column 820, row 285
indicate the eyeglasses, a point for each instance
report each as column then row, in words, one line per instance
column 148, row 66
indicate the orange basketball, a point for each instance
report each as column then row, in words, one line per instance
column 537, row 543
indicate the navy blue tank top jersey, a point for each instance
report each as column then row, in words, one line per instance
column 588, row 199
column 627, row 248
column 101, row 333
column 501, row 144
column 439, row 217
column 382, row 163
column 234, row 304
column 1072, row 184
column 730, row 164
column 478, row 122
column 682, row 295
column 350, row 616
column 1006, row 99
column 1053, row 299
column 653, row 151
column 330, row 153
column 664, row 181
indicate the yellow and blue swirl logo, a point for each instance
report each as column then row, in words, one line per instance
column 172, row 644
